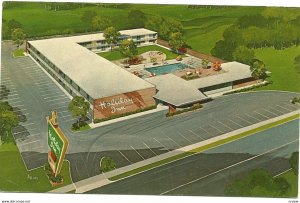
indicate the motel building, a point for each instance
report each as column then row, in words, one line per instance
column 112, row 90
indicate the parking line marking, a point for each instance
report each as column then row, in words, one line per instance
column 216, row 128
column 225, row 125
column 124, row 156
column 20, row 132
column 73, row 119
column 10, row 95
column 19, row 110
column 11, row 99
column 55, row 95
column 41, row 85
column 206, row 131
column 27, row 124
column 270, row 112
column 253, row 117
column 292, row 106
column 29, row 142
column 14, row 102
column 235, row 123
column 65, row 116
column 58, row 103
column 276, row 110
column 149, row 148
column 33, row 135
column 196, row 134
column 262, row 114
column 173, row 141
column 56, row 99
column 243, row 119
column 179, row 133
column 63, row 111
column 161, row 144
column 283, row 108
column 137, row 153
column 18, row 105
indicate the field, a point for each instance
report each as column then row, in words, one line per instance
column 15, row 177
column 292, row 179
column 281, row 64
column 116, row 55
column 202, row 26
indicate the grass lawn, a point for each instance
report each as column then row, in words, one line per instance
column 82, row 128
column 281, row 64
column 18, row 53
column 116, row 55
column 292, row 179
column 15, row 177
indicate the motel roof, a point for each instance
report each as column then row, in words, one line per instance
column 175, row 90
column 97, row 76
column 233, row 71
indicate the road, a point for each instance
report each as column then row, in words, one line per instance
column 206, row 174
column 33, row 95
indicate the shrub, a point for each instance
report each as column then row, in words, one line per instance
column 191, row 77
column 295, row 100
column 192, row 108
column 107, row 164
column 75, row 126
column 249, row 88
column 294, row 160
column 57, row 179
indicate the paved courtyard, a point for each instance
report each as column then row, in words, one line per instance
column 33, row 95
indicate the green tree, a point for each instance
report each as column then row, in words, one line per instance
column 137, row 18
column 169, row 26
column 18, row 36
column 111, row 36
column 297, row 63
column 223, row 49
column 294, row 162
column 100, row 23
column 128, row 48
column 176, row 41
column 8, row 120
column 243, row 54
column 79, row 108
column 258, row 183
column 88, row 16
column 258, row 69
column 154, row 23
column 107, row 164
column 13, row 24
column 204, row 63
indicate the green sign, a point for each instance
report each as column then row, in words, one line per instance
column 57, row 143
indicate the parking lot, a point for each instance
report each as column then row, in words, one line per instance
column 33, row 95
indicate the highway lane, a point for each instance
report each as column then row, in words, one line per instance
column 206, row 174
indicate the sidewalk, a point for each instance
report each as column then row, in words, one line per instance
column 101, row 180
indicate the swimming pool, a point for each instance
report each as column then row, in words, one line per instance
column 170, row 68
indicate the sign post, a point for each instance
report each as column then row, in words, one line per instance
column 58, row 144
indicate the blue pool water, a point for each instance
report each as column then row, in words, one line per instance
column 170, row 68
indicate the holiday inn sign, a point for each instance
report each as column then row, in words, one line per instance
column 57, row 143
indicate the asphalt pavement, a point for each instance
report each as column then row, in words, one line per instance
column 34, row 95
column 206, row 174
